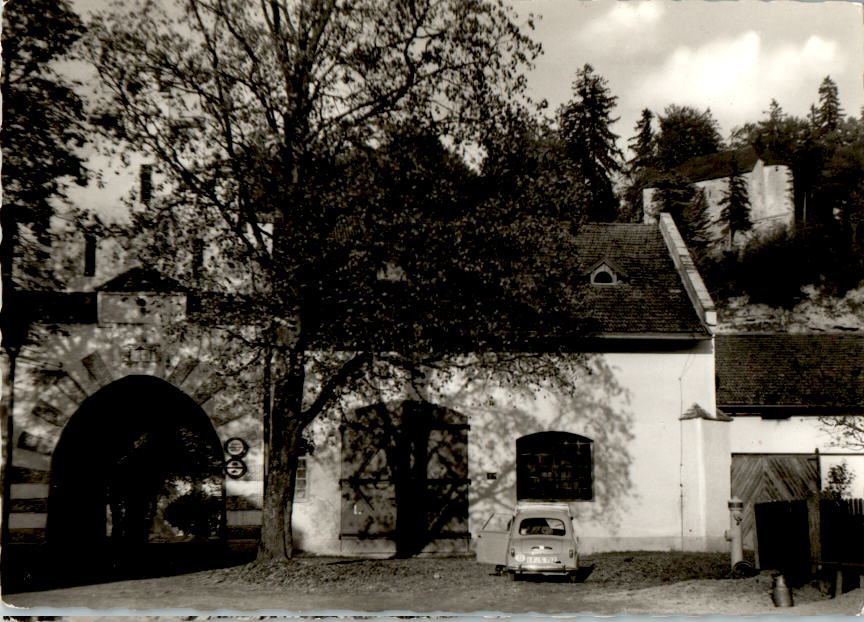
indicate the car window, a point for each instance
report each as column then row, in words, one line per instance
column 538, row 526
column 498, row 522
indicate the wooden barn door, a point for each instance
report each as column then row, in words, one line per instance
column 404, row 478
column 771, row 477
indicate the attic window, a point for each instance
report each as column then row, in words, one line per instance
column 603, row 274
column 603, row 277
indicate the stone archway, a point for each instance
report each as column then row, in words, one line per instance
column 139, row 463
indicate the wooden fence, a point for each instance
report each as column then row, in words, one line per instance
column 799, row 537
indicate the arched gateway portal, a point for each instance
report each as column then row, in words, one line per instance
column 138, row 463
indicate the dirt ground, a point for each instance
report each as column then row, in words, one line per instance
column 618, row 583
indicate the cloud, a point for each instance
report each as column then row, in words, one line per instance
column 627, row 26
column 737, row 77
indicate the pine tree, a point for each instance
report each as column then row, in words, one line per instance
column 695, row 223
column 736, row 206
column 829, row 113
column 687, row 205
column 642, row 143
column 584, row 126
column 639, row 168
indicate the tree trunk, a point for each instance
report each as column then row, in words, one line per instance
column 286, row 431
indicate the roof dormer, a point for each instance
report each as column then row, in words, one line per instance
column 605, row 273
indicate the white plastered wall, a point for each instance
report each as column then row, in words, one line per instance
column 797, row 435
column 659, row 483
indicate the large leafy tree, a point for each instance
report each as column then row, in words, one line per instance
column 275, row 127
column 528, row 170
column 585, row 129
column 686, row 133
column 41, row 131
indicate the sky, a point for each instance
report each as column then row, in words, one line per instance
column 730, row 56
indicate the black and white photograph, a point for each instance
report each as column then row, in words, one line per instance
column 451, row 308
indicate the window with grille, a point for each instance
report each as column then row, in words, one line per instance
column 554, row 465
column 301, row 481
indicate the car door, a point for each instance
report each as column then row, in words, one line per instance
column 493, row 539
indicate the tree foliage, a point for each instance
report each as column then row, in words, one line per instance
column 585, row 129
column 299, row 139
column 640, row 168
column 686, row 133
column 735, row 206
column 41, row 132
column 527, row 170
column 642, row 144
column 687, row 205
column 829, row 113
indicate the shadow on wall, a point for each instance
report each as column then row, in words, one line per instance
column 405, row 464
column 594, row 406
column 404, row 475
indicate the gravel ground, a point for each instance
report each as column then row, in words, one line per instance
column 623, row 583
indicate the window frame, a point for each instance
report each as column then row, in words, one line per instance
column 301, row 484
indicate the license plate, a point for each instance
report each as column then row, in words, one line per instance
column 544, row 560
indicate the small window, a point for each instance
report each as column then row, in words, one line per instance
column 604, row 274
column 604, row 277
column 301, row 481
column 146, row 179
column 89, row 254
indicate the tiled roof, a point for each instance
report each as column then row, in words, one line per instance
column 824, row 370
column 650, row 298
column 141, row 279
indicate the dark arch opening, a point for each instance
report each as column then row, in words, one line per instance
column 137, row 484
column 554, row 465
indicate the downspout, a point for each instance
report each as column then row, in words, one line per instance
column 681, row 447
column 705, row 310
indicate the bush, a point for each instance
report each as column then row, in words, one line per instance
column 773, row 268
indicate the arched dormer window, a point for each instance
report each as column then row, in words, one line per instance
column 605, row 273
column 603, row 277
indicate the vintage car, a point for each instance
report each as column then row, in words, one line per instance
column 537, row 539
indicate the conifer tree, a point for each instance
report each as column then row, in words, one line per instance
column 639, row 168
column 642, row 143
column 736, row 206
column 584, row 126
column 829, row 113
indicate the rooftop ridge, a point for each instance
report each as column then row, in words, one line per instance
column 693, row 283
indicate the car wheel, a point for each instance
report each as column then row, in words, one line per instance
column 514, row 576
column 499, row 570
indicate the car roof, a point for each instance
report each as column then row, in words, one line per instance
column 542, row 507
